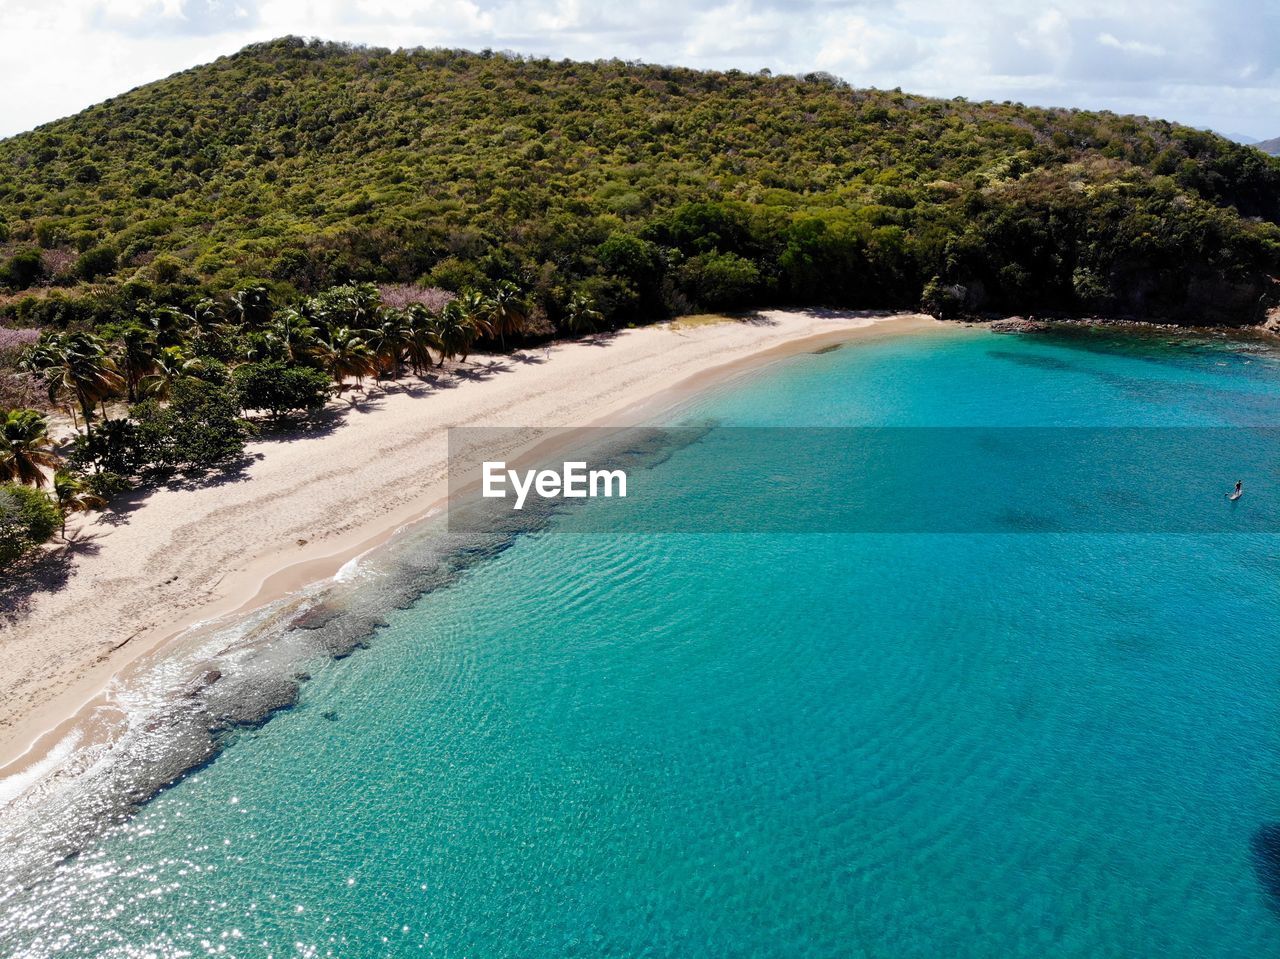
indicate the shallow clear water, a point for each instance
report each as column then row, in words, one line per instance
column 768, row 745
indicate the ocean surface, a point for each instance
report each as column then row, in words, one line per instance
column 769, row 744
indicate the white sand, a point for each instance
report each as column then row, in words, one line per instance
column 307, row 505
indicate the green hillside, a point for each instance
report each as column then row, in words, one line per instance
column 647, row 189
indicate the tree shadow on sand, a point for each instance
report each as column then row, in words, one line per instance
column 43, row 571
column 826, row 313
column 481, row 371
column 528, row 359
column 756, row 318
column 233, row 471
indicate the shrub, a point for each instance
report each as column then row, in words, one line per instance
column 280, row 388
column 113, row 449
column 22, row 269
column 106, row 484
column 96, row 262
column 200, row 429
column 27, row 519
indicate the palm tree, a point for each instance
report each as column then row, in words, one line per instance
column 295, row 333
column 421, row 337
column 202, row 317
column 344, row 353
column 76, row 365
column 508, row 312
column 477, row 308
column 252, row 305
column 25, row 448
column 169, row 324
column 581, row 315
column 386, row 340
column 456, row 331
column 172, row 365
column 137, row 356
column 289, row 336
column 73, row 495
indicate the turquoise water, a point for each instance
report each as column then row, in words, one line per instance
column 768, row 745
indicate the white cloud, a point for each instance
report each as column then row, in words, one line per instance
column 1206, row 62
column 856, row 47
column 1130, row 46
column 737, row 28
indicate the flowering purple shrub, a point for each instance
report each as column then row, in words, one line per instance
column 402, row 295
column 12, row 340
column 18, row 390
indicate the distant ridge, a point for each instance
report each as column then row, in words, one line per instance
column 1271, row 147
column 645, row 189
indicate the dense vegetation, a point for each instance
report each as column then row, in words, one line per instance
column 631, row 191
column 188, row 382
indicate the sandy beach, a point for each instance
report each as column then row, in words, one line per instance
column 305, row 504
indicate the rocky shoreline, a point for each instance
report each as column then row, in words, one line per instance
column 1022, row 324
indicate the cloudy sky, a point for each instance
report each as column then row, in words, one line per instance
column 1211, row 63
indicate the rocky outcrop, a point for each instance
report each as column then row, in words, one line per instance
column 1017, row 324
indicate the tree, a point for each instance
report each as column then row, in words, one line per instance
column 251, row 305
column 291, row 334
column 200, row 429
column 421, row 336
column 476, row 309
column 581, row 316
column 279, row 388
column 720, row 280
column 942, row 300
column 508, row 312
column 27, row 519
column 203, row 324
column 640, row 264
column 25, row 449
column 386, row 340
column 455, row 331
column 352, row 305
column 137, row 356
column 77, row 365
column 344, row 353
column 169, row 325
column 73, row 495
column 172, row 366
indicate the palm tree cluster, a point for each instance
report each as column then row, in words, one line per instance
column 27, row 458
column 347, row 332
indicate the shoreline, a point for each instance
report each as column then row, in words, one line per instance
column 716, row 353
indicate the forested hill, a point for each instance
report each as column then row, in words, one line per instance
column 647, row 189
